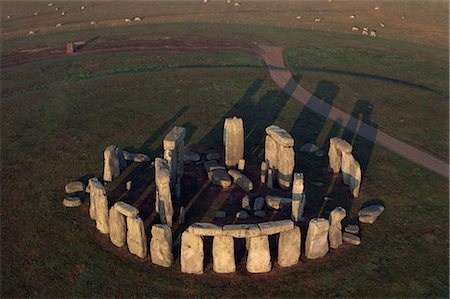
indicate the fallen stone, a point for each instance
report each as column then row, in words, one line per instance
column 163, row 200
column 191, row 253
column 74, row 187
column 276, row 202
column 72, row 202
column 233, row 137
column 370, row 214
column 126, row 209
column 205, row 229
column 220, row 177
column 350, row 238
column 241, row 230
column 241, row 180
column 281, row 136
column 260, row 213
column 242, row 215
column 335, row 232
column 213, row 156
column 246, row 203
column 212, row 165
column 352, row 229
column 136, row 238
column 221, row 214
column 275, row 227
column 161, row 245
column 309, row 148
column 190, row 156
column 223, row 254
column 117, row 228
column 317, row 184
column 258, row 257
column 319, row 153
column 258, row 203
column 289, row 247
column 316, row 244
column 139, row 158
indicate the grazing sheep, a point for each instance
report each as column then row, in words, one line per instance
column 205, row 1
column 36, row 13
column 403, row 17
column 137, row 19
column 59, row 25
column 355, row 28
column 31, row 32
column 50, row 4
column 381, row 24
column 127, row 21
column 56, row 8
column 366, row 29
column 318, row 20
column 82, row 7
column 93, row 23
column 63, row 13
column 376, row 8
column 237, row 4
column 352, row 17
column 373, row 33
column 8, row 17
column 298, row 17
column 228, row 1
column 365, row 32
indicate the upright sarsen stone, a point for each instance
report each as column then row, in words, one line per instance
column 223, row 254
column 285, row 166
column 136, row 238
column 161, row 245
column 335, row 232
column 258, row 257
column 334, row 155
column 163, row 202
column 298, row 197
column 113, row 162
column 316, row 244
column 173, row 145
column 98, row 209
column 191, row 253
column 233, row 138
column 117, row 228
column 289, row 247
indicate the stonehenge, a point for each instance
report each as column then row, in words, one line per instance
column 370, row 214
column 223, row 254
column 316, row 244
column 258, row 257
column 114, row 163
column 341, row 159
column 289, row 247
column 280, row 155
column 241, row 180
column 136, row 238
column 233, row 139
column 117, row 227
column 191, row 253
column 98, row 208
column 173, row 145
column 163, row 201
column 74, row 187
column 298, row 197
column 161, row 245
column 335, row 232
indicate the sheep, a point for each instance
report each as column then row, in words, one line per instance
column 317, row 20
column 365, row 32
column 82, row 7
column 59, row 25
column 36, row 13
column 56, row 8
column 205, row 1
column 127, row 21
column 31, row 32
column 366, row 29
column 298, row 17
column 93, row 23
column 8, row 17
column 137, row 19
column 63, row 13
column 352, row 17
column 50, row 4
column 376, row 8
column 228, row 1
column 237, row 4
column 381, row 24
column 403, row 17
column 373, row 33
column 355, row 28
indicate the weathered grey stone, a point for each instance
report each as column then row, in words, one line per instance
column 270, row 178
column 212, row 165
column 246, row 203
column 350, row 238
column 241, row 180
column 258, row 204
column 335, row 232
column 242, row 215
column 370, row 214
column 126, row 209
column 316, row 244
column 241, row 165
column 352, row 229
column 355, row 177
column 275, row 227
column 161, row 245
column 220, row 177
column 317, row 184
column 190, row 156
column 112, row 163
column 241, row 230
column 223, row 254
column 72, row 202
column 285, row 166
column 281, row 136
column 173, row 145
column 298, row 206
column 182, row 218
column 136, row 238
column 74, row 187
column 298, row 185
column 276, row 202
column 258, row 257
column 289, row 247
column 205, row 229
column 101, row 210
column 347, row 160
column 309, row 148
column 221, row 214
column 233, row 137
column 260, row 213
column 271, row 153
column 174, row 138
column 139, row 158
column 213, row 156
column 96, row 190
column 191, row 253
column 334, row 155
column 263, row 172
column 163, row 203
column 117, row 227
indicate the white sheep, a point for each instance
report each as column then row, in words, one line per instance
column 205, row 1
column 366, row 29
column 381, row 24
column 137, row 19
column 317, row 20
column 63, row 13
column 82, row 7
column 127, row 21
column 93, row 23
column 59, row 25
column 50, row 4
column 355, row 28
column 228, row 1
column 373, row 33
column 376, row 8
column 31, row 32
column 352, row 17
column 36, row 13
column 365, row 32
column 403, row 17
column 298, row 17
column 8, row 17
column 56, row 8
column 237, row 4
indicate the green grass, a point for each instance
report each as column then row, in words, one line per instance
column 57, row 134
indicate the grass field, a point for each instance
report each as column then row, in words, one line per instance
column 57, row 116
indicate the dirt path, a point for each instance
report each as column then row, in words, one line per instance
column 273, row 56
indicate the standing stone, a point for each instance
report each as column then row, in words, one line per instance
column 111, row 168
column 128, row 186
column 182, row 215
column 289, row 247
column 271, row 153
column 355, row 177
column 241, row 165
column 223, row 254
column 136, row 238
column 298, row 197
column 258, row 258
column 263, row 172
column 69, row 50
column 173, row 145
column 95, row 190
column 335, row 232
column 233, row 138
column 285, row 166
column 316, row 244
column 246, row 203
column 99, row 204
column 117, row 228
column 191, row 253
column 163, row 203
column 161, row 245
column 241, row 180
column 270, row 178
column 347, row 159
